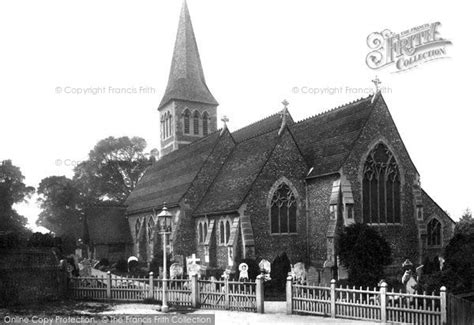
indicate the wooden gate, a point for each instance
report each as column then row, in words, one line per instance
column 229, row 295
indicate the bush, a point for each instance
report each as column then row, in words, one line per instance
column 365, row 253
column 157, row 263
column 121, row 265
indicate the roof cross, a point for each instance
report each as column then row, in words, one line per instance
column 224, row 119
column 377, row 83
column 284, row 113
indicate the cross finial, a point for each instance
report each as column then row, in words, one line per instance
column 284, row 114
column 377, row 83
column 224, row 119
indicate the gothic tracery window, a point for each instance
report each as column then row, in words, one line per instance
column 434, row 232
column 196, row 122
column 381, row 187
column 187, row 116
column 283, row 211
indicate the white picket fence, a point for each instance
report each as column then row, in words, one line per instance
column 118, row 288
column 208, row 294
column 365, row 304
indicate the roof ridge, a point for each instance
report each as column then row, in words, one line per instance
column 256, row 122
column 334, row 109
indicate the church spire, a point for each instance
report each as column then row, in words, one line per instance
column 186, row 80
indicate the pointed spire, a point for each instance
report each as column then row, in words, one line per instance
column 186, row 80
column 284, row 114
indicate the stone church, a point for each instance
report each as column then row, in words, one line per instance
column 277, row 185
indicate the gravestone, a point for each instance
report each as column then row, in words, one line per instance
column 243, row 272
column 312, row 275
column 265, row 269
column 176, row 270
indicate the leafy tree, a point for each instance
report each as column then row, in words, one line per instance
column 111, row 172
column 465, row 225
column 60, row 202
column 12, row 191
column 113, row 169
column 364, row 252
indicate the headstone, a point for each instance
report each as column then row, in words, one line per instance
column 265, row 269
column 226, row 274
column 408, row 279
column 299, row 272
column 194, row 269
column 243, row 272
column 85, row 268
column 312, row 275
column 176, row 270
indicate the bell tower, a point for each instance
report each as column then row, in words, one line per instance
column 188, row 111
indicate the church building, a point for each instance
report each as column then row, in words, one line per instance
column 277, row 185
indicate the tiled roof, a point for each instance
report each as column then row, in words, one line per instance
column 107, row 225
column 186, row 80
column 327, row 139
column 236, row 177
column 168, row 179
column 269, row 123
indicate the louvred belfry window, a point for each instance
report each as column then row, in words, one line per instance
column 186, row 121
column 205, row 123
column 381, row 187
column 283, row 211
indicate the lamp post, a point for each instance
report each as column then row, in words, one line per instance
column 164, row 219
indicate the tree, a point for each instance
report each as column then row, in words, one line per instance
column 364, row 252
column 113, row 169
column 111, row 172
column 465, row 225
column 12, row 191
column 60, row 202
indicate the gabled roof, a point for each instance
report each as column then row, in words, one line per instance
column 186, row 80
column 168, row 179
column 236, row 177
column 107, row 225
column 327, row 139
column 269, row 123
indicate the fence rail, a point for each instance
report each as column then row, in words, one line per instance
column 208, row 294
column 366, row 304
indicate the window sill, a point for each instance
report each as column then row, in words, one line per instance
column 284, row 234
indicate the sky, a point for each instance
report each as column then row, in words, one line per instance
column 75, row 72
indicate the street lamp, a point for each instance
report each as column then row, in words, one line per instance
column 164, row 219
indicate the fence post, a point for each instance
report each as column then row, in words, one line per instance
column 333, row 298
column 150, row 285
column 442, row 294
column 259, row 292
column 194, row 291
column 109, row 285
column 289, row 295
column 226, row 288
column 383, row 302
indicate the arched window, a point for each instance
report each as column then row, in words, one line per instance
column 205, row 231
column 227, row 231
column 137, row 228
column 201, row 237
column 222, row 232
column 151, row 225
column 381, row 187
column 187, row 116
column 162, row 127
column 167, row 130
column 283, row 211
column 434, row 232
column 196, row 122
column 205, row 123
column 170, row 124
